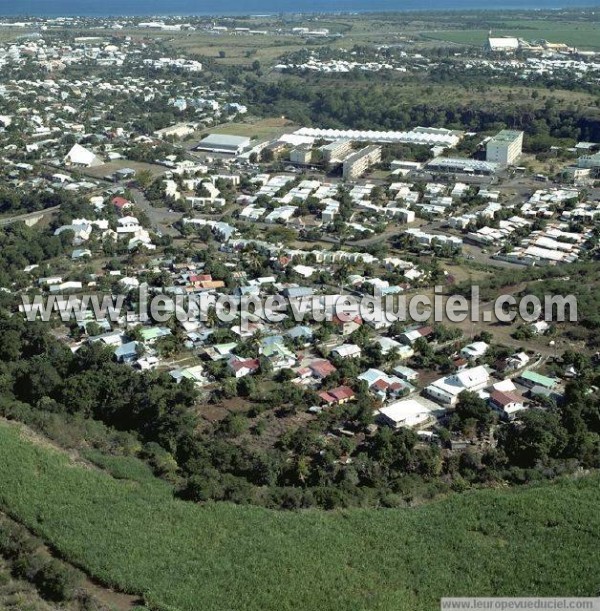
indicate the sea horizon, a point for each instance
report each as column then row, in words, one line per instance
column 257, row 8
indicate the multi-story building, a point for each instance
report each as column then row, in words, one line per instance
column 505, row 147
column 356, row 165
column 336, row 150
column 302, row 154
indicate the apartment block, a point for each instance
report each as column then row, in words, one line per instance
column 356, row 165
column 505, row 147
column 336, row 150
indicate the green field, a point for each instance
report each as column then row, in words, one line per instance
column 256, row 128
column 577, row 34
column 133, row 535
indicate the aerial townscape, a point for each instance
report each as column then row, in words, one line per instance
column 271, row 450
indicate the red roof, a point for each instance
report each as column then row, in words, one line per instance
column 200, row 278
column 505, row 398
column 119, row 202
column 252, row 364
column 425, row 331
column 380, row 385
column 322, row 368
column 341, row 393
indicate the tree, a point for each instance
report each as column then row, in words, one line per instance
column 536, row 438
column 10, row 345
column 471, row 406
column 233, row 425
column 143, row 178
column 267, row 155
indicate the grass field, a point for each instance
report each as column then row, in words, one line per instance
column 239, row 50
column 577, row 34
column 262, row 129
column 112, row 166
column 132, row 534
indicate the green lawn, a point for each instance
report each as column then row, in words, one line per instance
column 131, row 534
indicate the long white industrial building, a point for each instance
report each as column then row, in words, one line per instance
column 427, row 136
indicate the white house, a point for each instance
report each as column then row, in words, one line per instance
column 474, row 351
column 507, row 403
column 404, row 413
column 446, row 390
column 540, row 327
column 347, row 351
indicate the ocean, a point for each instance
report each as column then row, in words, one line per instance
column 122, row 8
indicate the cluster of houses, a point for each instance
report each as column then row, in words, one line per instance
column 547, row 59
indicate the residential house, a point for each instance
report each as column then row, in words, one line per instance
column 127, row 353
column 532, row 378
column 506, row 403
column 279, row 355
column 474, row 351
column 540, row 327
column 301, row 333
column 410, row 337
column 446, row 390
column 337, row 396
column 243, row 367
column 151, row 334
column 517, row 361
column 346, row 327
column 321, row 369
column 406, row 373
column 219, row 352
column 121, row 204
column 408, row 413
column 385, row 385
column 347, row 351
column 195, row 374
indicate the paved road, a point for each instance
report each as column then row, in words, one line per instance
column 28, row 216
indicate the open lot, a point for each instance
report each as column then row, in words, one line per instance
column 261, row 129
column 109, row 168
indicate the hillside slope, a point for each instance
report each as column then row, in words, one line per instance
column 133, row 535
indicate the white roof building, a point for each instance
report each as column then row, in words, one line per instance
column 446, row 390
column 504, row 44
column 405, row 413
column 82, row 157
column 347, row 351
column 474, row 350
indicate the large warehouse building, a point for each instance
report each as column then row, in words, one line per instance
column 502, row 44
column 505, row 147
column 426, row 136
column 223, row 143
column 458, row 165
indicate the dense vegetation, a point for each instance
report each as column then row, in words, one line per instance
column 378, row 107
column 133, row 535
